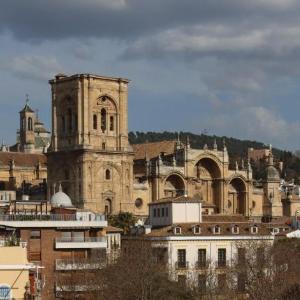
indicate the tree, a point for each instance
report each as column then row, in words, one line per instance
column 123, row 220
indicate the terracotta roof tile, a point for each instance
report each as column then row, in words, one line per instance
column 22, row 159
column 153, row 149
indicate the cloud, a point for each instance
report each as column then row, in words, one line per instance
column 32, row 67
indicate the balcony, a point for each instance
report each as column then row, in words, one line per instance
column 201, row 265
column 78, row 264
column 81, row 243
column 53, row 220
column 182, row 265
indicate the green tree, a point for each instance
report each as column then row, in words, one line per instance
column 123, row 220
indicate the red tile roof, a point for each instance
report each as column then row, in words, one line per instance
column 22, row 159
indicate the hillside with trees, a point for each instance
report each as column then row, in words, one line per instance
column 237, row 149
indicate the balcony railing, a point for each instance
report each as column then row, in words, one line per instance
column 78, row 264
column 100, row 239
column 201, row 264
column 52, row 217
column 182, row 265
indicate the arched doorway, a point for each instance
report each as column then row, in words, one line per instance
column 208, row 182
column 237, row 196
column 174, row 186
column 108, row 208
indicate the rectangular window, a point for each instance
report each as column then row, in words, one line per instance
column 221, row 257
column 181, row 258
column 111, row 123
column 182, row 280
column 260, row 256
column 241, row 282
column 158, row 212
column 241, row 256
column 221, row 282
column 163, row 212
column 154, row 212
column 201, row 258
column 35, row 234
column 202, row 284
column 167, row 211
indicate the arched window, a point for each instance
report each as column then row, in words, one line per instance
column 70, row 120
column 107, row 175
column 63, row 124
column 95, row 122
column 103, row 119
column 5, row 291
column 111, row 123
column 30, row 124
column 103, row 146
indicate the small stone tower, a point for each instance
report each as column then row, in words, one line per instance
column 27, row 137
column 272, row 198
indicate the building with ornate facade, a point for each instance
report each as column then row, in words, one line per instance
column 91, row 157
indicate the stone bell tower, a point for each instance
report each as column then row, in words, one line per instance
column 27, row 136
column 272, row 198
column 90, row 154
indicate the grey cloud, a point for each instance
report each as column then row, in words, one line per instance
column 32, row 67
column 129, row 19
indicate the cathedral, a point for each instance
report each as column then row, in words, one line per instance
column 90, row 156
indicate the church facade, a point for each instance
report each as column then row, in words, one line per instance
column 91, row 158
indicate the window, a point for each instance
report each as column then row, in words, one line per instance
column 181, row 280
column 202, row 284
column 254, row 229
column 111, row 123
column 154, row 212
column 103, row 119
column 221, row 282
column 103, row 146
column 67, row 175
column 94, row 122
column 275, row 230
column 260, row 256
column 107, row 207
column 163, row 212
column 241, row 256
column 167, row 211
column 235, row 229
column 221, row 257
column 70, row 120
column 197, row 229
column 217, row 229
column 107, row 174
column 181, row 258
column 30, row 128
column 5, row 292
column 35, row 234
column 201, row 258
column 63, row 124
column 158, row 212
column 138, row 202
column 241, row 282
column 177, row 230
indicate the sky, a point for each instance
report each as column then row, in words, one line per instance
column 226, row 67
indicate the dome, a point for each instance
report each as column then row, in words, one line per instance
column 60, row 199
column 271, row 173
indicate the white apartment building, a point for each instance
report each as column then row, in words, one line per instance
column 190, row 243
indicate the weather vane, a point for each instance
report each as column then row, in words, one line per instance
column 27, row 98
